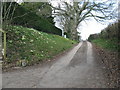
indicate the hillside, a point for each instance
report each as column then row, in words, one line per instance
column 32, row 46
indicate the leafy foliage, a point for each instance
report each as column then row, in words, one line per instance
column 41, row 8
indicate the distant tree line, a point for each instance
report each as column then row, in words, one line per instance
column 110, row 32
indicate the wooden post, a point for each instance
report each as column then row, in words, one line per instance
column 5, row 45
column 0, row 29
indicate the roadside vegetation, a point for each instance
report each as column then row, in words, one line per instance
column 32, row 46
column 108, row 38
column 111, row 44
column 22, row 15
column 107, row 44
column 31, row 34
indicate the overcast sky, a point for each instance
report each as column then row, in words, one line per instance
column 91, row 27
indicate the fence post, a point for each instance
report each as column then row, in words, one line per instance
column 0, row 29
column 5, row 45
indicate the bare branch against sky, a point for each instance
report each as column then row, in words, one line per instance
column 97, row 14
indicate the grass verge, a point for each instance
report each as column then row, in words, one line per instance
column 109, row 44
column 32, row 46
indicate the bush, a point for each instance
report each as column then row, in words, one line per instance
column 30, row 19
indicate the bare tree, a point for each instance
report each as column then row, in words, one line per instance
column 8, row 9
column 77, row 12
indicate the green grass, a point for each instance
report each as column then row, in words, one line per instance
column 33, row 46
column 109, row 44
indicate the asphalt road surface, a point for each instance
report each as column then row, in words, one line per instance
column 78, row 68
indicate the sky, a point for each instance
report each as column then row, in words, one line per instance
column 91, row 27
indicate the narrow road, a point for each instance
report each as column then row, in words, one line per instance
column 78, row 68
